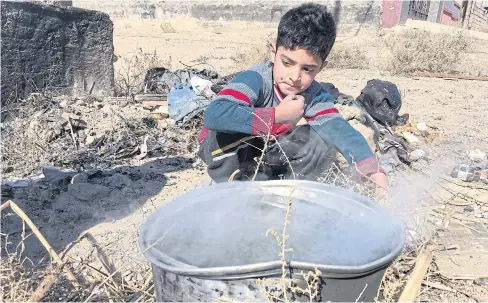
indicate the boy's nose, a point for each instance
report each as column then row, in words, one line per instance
column 295, row 75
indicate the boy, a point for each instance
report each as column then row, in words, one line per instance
column 259, row 111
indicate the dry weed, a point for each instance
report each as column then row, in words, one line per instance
column 131, row 71
column 254, row 54
column 167, row 28
column 343, row 56
column 421, row 50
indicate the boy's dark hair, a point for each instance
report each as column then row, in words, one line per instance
column 309, row 26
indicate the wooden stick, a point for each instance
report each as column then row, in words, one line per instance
column 450, row 76
column 438, row 286
column 41, row 238
column 46, row 284
column 5, row 205
column 415, row 281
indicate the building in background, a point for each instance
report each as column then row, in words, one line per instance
column 474, row 15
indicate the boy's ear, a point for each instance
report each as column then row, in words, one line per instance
column 272, row 51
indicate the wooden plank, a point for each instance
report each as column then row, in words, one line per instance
column 150, row 97
column 414, row 283
column 157, row 107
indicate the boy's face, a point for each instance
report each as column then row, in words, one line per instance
column 294, row 70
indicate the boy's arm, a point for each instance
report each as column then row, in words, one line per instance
column 326, row 120
column 233, row 109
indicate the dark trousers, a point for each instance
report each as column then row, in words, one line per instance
column 307, row 156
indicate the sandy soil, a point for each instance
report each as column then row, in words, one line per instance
column 114, row 203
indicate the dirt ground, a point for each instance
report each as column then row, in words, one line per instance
column 114, row 200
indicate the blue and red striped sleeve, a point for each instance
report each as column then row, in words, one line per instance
column 326, row 120
column 233, row 110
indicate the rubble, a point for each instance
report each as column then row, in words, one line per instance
column 81, row 136
column 477, row 155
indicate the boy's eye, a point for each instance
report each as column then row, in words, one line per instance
column 285, row 62
column 308, row 70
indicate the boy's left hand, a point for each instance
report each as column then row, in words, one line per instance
column 381, row 182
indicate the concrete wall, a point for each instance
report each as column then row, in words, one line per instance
column 435, row 10
column 349, row 12
column 450, row 13
column 476, row 15
column 47, row 47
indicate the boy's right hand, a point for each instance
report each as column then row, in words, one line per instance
column 290, row 110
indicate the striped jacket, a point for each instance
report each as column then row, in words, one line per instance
column 247, row 105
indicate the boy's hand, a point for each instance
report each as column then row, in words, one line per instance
column 290, row 110
column 381, row 182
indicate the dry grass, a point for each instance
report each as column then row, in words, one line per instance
column 343, row 56
column 131, row 71
column 253, row 55
column 100, row 281
column 421, row 50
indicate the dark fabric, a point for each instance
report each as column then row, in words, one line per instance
column 382, row 100
column 307, row 153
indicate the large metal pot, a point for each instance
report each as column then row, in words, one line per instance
column 211, row 243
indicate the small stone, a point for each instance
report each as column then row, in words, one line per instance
column 422, row 126
column 469, row 209
column 90, row 139
column 417, row 154
column 410, row 138
column 63, row 103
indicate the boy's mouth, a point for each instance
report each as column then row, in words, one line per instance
column 291, row 87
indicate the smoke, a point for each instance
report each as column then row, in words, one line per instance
column 412, row 196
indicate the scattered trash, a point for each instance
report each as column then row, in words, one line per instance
column 143, row 149
column 477, row 155
column 184, row 103
column 463, row 172
column 161, row 80
column 382, row 100
column 484, row 176
column 202, row 87
column 481, row 281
